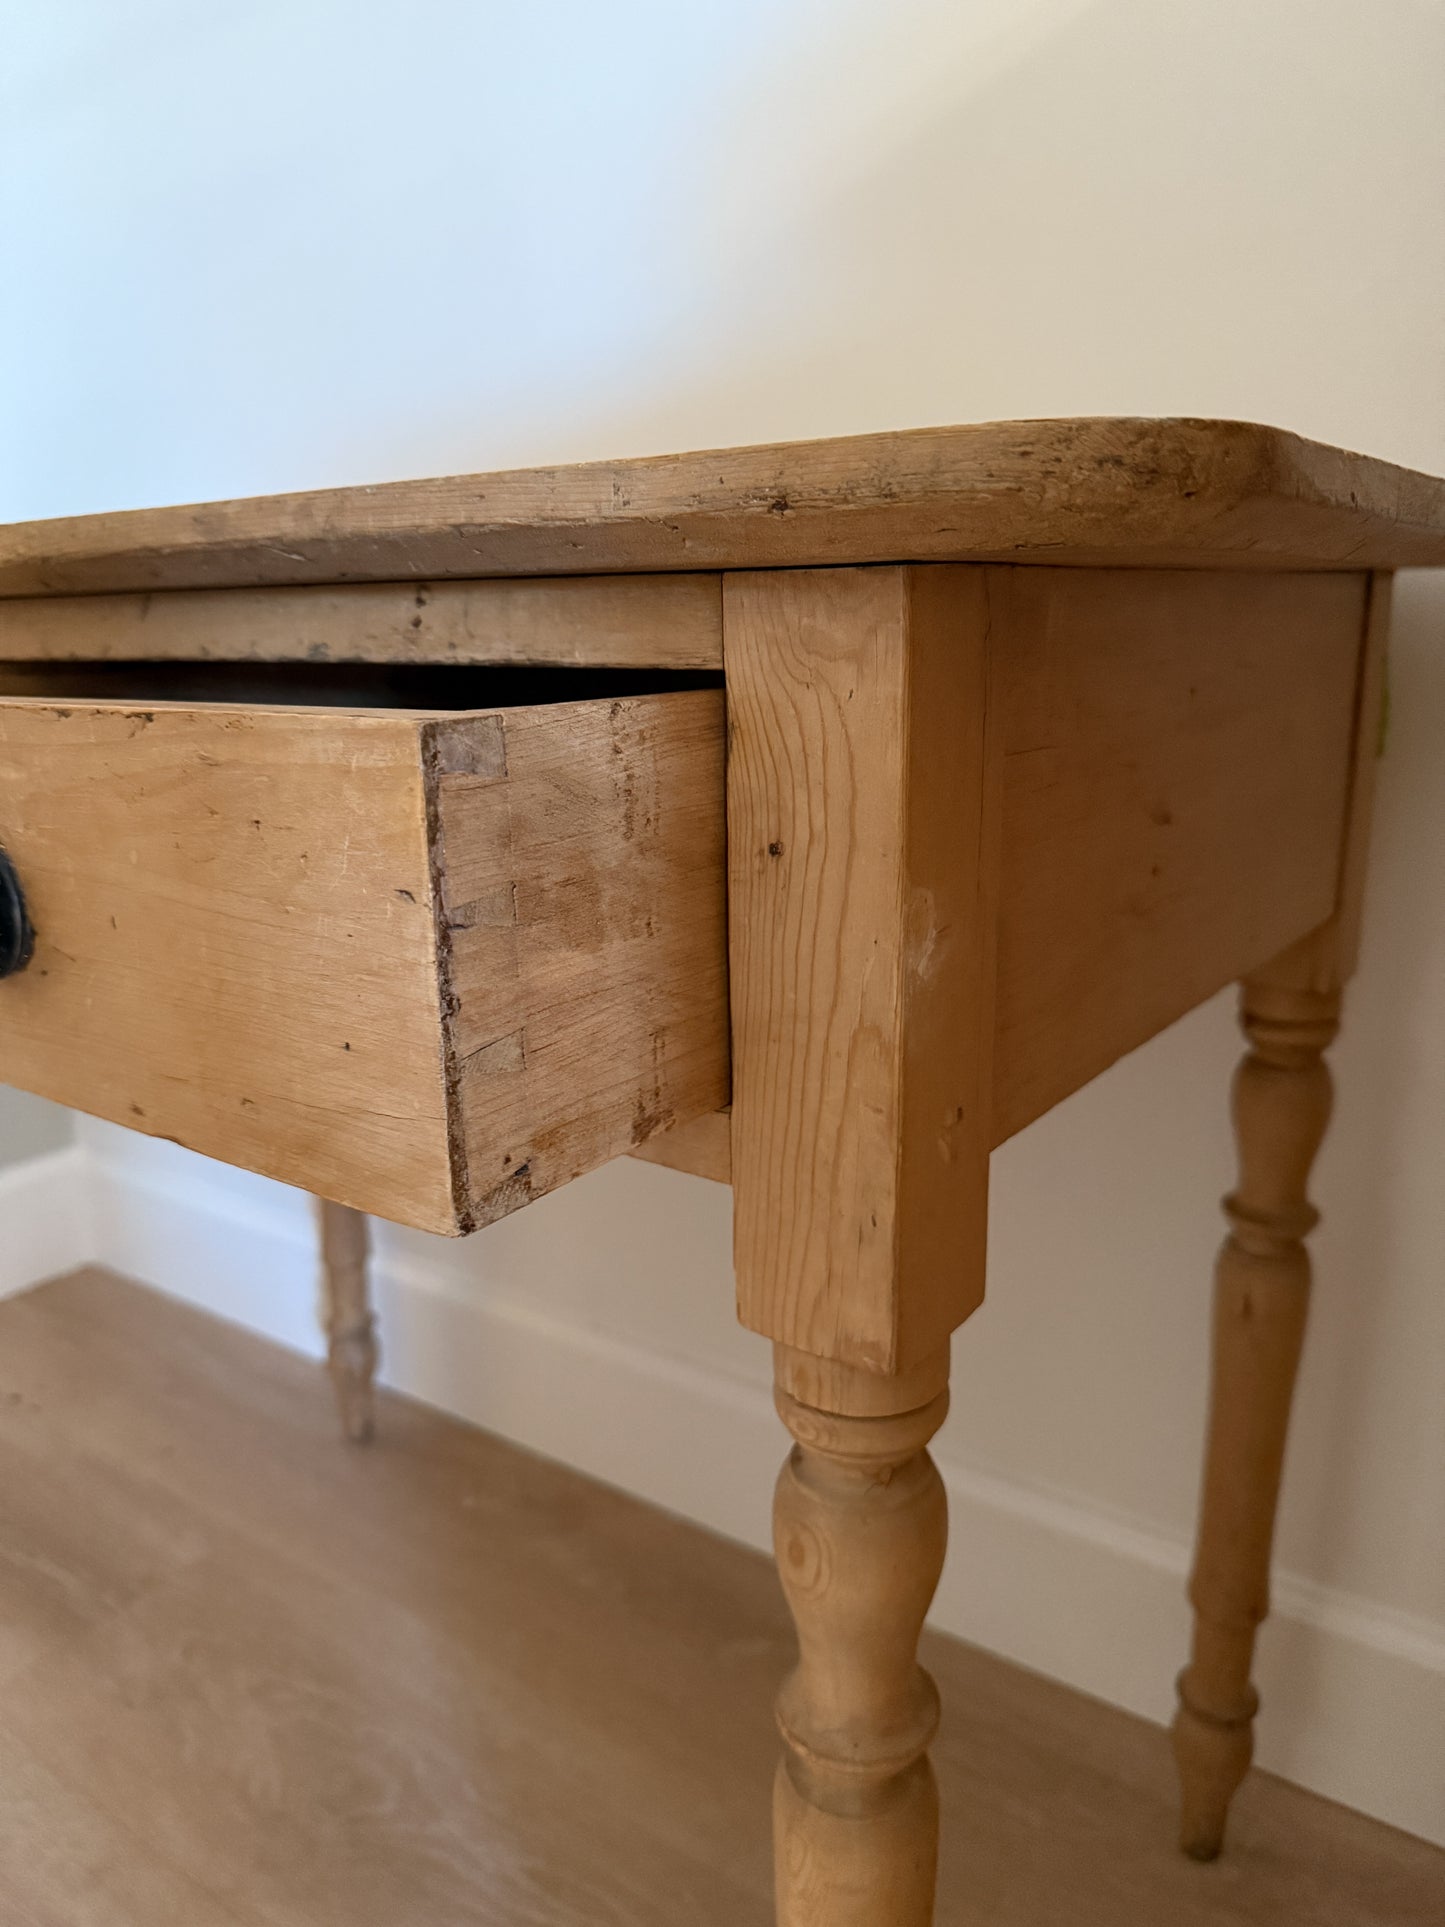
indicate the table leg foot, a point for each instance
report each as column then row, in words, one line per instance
column 1213, row 1750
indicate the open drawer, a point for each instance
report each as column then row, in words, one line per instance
column 431, row 964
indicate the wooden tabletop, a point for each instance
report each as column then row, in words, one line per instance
column 1115, row 491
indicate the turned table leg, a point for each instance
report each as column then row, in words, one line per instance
column 860, row 1522
column 351, row 1349
column 1282, row 1096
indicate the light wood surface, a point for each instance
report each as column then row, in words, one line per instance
column 253, row 1678
column 236, row 945
column 862, row 863
column 828, row 1386
column 1282, row 1096
column 1156, row 727
column 671, row 621
column 1155, row 723
column 346, row 1315
column 427, row 966
column 1170, row 493
column 1177, row 755
column 702, row 1146
column 1326, row 957
column 584, row 900
column 860, row 1525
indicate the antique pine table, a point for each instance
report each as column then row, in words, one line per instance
column 428, row 845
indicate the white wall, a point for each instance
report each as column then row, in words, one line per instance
column 293, row 244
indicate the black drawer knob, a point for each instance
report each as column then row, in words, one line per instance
column 17, row 938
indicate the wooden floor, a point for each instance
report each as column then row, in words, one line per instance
column 251, row 1675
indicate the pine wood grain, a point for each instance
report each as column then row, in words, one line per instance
column 427, row 966
column 1177, row 767
column 442, row 1681
column 236, row 945
column 1326, row 957
column 862, row 891
column 667, row 621
column 860, row 1526
column 1167, row 493
column 702, row 1146
column 1186, row 772
column 347, row 1319
column 583, row 889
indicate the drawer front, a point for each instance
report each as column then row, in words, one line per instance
column 429, row 965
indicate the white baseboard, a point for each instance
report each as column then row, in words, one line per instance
column 45, row 1220
column 1355, row 1693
